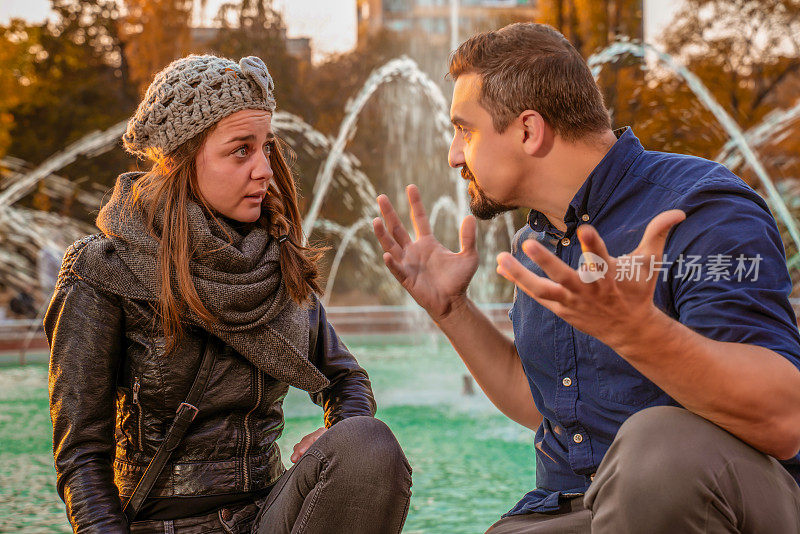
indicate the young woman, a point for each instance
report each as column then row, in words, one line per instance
column 176, row 333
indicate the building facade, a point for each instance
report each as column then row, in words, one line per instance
column 433, row 17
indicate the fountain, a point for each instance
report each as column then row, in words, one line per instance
column 773, row 128
column 404, row 68
column 625, row 47
column 419, row 387
column 340, row 170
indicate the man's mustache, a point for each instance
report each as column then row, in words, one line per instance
column 467, row 174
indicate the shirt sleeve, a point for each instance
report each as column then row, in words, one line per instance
column 741, row 293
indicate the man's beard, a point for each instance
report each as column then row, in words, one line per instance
column 480, row 204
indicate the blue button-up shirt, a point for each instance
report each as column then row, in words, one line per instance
column 724, row 276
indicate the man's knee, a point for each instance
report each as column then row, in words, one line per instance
column 668, row 437
column 675, row 471
column 666, row 449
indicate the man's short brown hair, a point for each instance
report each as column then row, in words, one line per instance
column 532, row 66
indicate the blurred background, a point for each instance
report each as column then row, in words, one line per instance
column 363, row 100
column 70, row 68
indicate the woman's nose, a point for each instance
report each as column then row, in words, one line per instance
column 263, row 169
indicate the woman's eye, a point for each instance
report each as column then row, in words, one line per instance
column 268, row 149
column 240, row 152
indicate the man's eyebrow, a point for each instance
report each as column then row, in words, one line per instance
column 251, row 137
column 458, row 121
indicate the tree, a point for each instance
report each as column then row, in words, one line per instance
column 747, row 51
column 591, row 25
column 16, row 66
column 69, row 78
column 155, row 32
column 254, row 28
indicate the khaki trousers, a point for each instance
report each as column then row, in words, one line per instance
column 669, row 471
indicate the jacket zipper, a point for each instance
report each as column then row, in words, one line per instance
column 136, row 386
column 247, row 431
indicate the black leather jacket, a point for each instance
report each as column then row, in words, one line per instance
column 113, row 395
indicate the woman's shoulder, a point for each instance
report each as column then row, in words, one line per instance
column 93, row 259
column 80, row 256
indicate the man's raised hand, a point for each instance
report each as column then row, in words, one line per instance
column 607, row 308
column 433, row 275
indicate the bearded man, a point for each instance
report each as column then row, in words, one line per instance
column 655, row 352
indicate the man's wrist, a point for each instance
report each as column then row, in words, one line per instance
column 454, row 309
column 646, row 331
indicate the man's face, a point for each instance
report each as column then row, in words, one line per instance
column 488, row 159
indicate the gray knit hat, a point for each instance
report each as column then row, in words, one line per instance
column 191, row 94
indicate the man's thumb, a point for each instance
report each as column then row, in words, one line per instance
column 467, row 233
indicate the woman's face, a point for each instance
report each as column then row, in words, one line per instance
column 233, row 170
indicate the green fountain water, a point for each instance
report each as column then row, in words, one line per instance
column 470, row 463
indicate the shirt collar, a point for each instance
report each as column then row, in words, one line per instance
column 592, row 195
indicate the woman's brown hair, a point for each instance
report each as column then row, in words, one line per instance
column 170, row 183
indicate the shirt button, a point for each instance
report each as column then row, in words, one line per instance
column 577, row 438
column 565, row 241
column 567, row 381
column 585, row 217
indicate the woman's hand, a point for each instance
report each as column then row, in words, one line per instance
column 308, row 440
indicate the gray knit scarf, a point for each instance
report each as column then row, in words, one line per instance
column 237, row 277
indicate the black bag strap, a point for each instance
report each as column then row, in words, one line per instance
column 185, row 414
column 313, row 332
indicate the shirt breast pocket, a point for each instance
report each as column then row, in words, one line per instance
column 617, row 380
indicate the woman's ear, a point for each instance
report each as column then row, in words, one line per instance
column 533, row 131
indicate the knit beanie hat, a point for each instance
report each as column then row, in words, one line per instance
column 191, row 94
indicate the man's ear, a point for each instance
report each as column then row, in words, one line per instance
column 533, row 131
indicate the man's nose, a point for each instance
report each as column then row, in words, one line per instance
column 455, row 157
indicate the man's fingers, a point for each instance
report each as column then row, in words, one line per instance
column 392, row 221
column 538, row 287
column 385, row 239
column 592, row 242
column 655, row 235
column 467, row 234
column 394, row 267
column 555, row 269
column 418, row 216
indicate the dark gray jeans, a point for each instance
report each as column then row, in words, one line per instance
column 354, row 479
column 671, row 471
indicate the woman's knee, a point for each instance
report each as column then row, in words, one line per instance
column 368, row 442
